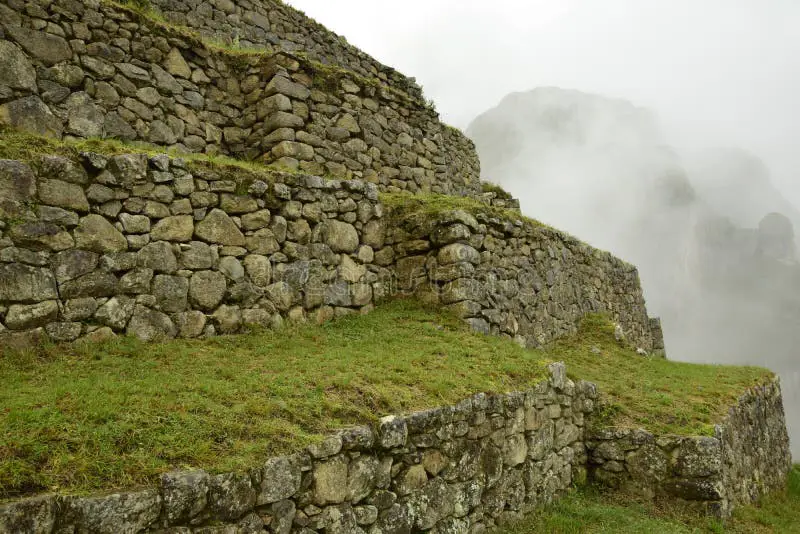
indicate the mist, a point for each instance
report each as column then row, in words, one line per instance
column 663, row 132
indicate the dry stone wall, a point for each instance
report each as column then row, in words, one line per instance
column 747, row 457
column 93, row 69
column 275, row 26
column 513, row 277
column 147, row 247
column 456, row 469
column 155, row 247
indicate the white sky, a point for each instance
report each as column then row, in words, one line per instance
column 718, row 72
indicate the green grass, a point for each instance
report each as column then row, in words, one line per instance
column 659, row 395
column 89, row 417
column 116, row 415
column 590, row 511
column 23, row 146
column 424, row 209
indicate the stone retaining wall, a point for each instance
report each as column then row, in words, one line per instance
column 155, row 247
column 457, row 469
column 90, row 69
column 517, row 278
column 273, row 25
column 747, row 457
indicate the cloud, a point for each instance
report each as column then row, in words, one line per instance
column 712, row 69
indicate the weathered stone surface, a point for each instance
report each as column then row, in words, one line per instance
column 171, row 292
column 158, row 257
column 228, row 319
column 116, row 312
column 185, row 494
column 95, row 233
column 190, row 324
column 392, row 432
column 25, row 316
column 207, row 289
column 71, row 264
column 330, row 481
column 112, row 514
column 136, row 282
column 178, row 228
column 15, row 69
column 340, row 236
column 176, row 65
column 17, row 186
column 280, row 479
column 30, row 515
column 150, row 325
column 217, row 227
column 230, row 496
column 199, row 255
column 40, row 236
column 63, row 195
column 32, row 115
column 95, row 284
column 23, row 283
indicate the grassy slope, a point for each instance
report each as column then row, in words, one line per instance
column 591, row 512
column 663, row 396
column 91, row 417
column 119, row 414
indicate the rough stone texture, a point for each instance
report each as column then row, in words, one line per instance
column 513, row 277
column 132, row 80
column 747, row 457
column 300, row 247
column 352, row 483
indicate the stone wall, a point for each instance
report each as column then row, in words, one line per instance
column 747, row 457
column 275, row 26
column 514, row 277
column 148, row 247
column 91, row 69
column 153, row 246
column 456, row 469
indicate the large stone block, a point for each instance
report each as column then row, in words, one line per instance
column 95, row 233
column 217, row 227
column 15, row 69
column 23, row 283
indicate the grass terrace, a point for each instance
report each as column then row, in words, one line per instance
column 88, row 417
column 589, row 511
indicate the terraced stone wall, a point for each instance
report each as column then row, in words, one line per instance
column 156, row 247
column 152, row 248
column 454, row 469
column 516, row 278
column 747, row 457
column 93, row 69
column 274, row 26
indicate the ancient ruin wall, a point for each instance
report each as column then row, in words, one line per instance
column 275, row 26
column 747, row 457
column 455, row 469
column 153, row 247
column 515, row 277
column 91, row 69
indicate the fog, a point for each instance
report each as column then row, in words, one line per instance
column 661, row 131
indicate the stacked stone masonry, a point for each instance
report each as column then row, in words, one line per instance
column 157, row 248
column 747, row 457
column 274, row 26
column 94, row 69
column 461, row 468
column 516, row 278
